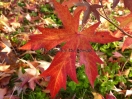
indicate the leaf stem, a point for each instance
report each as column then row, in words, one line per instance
column 103, row 9
column 124, row 64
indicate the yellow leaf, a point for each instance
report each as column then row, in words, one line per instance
column 4, row 67
column 5, row 5
column 3, row 21
column 97, row 95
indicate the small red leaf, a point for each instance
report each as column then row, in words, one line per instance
column 110, row 96
column 128, row 4
column 126, row 25
column 127, row 43
column 115, row 2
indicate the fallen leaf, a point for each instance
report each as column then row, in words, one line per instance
column 117, row 54
column 4, row 48
column 4, row 67
column 31, row 7
column 97, row 95
column 3, row 22
column 6, row 73
column 30, row 76
column 126, row 25
column 128, row 92
column 43, row 65
column 11, row 97
column 76, row 43
column 5, row 4
column 5, row 81
column 126, row 72
column 2, row 92
column 123, row 22
column 110, row 96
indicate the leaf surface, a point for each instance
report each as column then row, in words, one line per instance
column 89, row 8
column 2, row 92
column 128, row 19
column 77, row 43
column 126, row 25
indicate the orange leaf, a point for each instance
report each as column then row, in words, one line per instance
column 126, row 25
column 128, row 19
column 76, row 43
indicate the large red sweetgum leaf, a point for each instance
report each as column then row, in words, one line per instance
column 62, row 65
column 89, row 58
column 76, row 42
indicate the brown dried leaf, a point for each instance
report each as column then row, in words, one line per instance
column 2, row 92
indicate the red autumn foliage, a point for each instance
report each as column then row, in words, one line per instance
column 76, row 43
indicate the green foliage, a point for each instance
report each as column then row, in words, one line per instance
column 79, row 90
column 46, row 8
column 130, row 74
column 109, row 77
column 36, row 94
column 106, row 48
column 21, row 4
column 12, row 80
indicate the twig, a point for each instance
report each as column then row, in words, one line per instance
column 124, row 64
column 74, row 96
column 117, row 26
column 103, row 9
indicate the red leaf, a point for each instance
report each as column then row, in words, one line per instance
column 76, row 43
column 2, row 92
column 110, row 96
column 127, row 43
column 126, row 25
column 127, row 4
column 117, row 54
column 128, row 19
column 115, row 2
column 94, row 8
column 89, row 8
